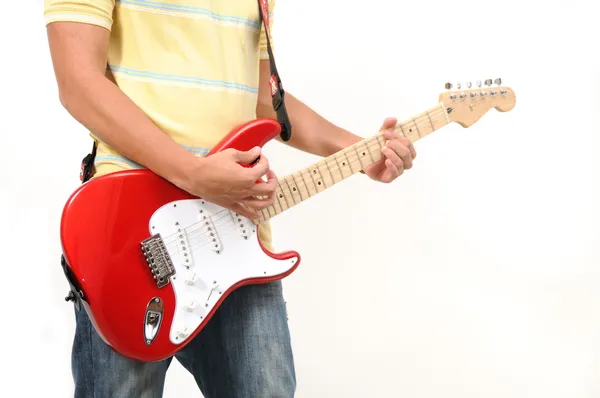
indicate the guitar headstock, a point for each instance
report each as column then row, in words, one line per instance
column 466, row 105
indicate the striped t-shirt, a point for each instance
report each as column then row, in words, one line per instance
column 191, row 65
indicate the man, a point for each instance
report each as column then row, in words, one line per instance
column 158, row 84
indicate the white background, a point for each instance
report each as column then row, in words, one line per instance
column 474, row 275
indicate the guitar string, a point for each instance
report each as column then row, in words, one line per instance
column 202, row 227
column 431, row 116
column 335, row 168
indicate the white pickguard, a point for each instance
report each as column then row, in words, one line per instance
column 208, row 265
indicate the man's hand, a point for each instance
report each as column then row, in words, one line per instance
column 222, row 180
column 398, row 155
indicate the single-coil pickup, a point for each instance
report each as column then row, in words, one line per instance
column 242, row 224
column 183, row 246
column 211, row 232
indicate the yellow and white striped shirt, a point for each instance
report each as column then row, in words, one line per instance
column 191, row 65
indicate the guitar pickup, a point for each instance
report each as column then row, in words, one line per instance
column 184, row 248
column 213, row 237
column 242, row 224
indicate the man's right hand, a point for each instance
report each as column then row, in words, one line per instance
column 223, row 179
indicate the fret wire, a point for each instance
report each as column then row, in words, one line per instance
column 402, row 130
column 265, row 218
column 329, row 170
column 274, row 206
column 305, row 184
column 430, row 121
column 338, row 165
column 313, row 180
column 320, row 176
column 321, row 173
column 445, row 112
column 348, row 160
column 358, row 156
column 297, row 186
column 378, row 142
column 289, row 189
column 417, row 127
column 269, row 212
column 365, row 143
column 337, row 168
column 284, row 195
column 279, row 201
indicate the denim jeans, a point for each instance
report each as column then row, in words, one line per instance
column 243, row 352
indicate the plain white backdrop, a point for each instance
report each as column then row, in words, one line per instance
column 475, row 275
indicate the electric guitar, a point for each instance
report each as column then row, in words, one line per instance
column 151, row 263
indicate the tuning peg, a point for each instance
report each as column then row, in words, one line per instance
column 478, row 83
column 469, row 85
column 498, row 81
column 458, row 85
column 488, row 82
column 448, row 86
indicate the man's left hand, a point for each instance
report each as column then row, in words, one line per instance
column 398, row 155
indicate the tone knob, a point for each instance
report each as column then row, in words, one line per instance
column 190, row 306
column 183, row 332
column 190, row 278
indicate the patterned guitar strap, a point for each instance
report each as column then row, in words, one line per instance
column 277, row 92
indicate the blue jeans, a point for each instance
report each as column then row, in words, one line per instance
column 243, row 352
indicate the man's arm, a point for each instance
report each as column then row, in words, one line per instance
column 79, row 55
column 314, row 134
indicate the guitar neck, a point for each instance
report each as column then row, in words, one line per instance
column 306, row 183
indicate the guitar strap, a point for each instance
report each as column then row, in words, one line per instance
column 277, row 95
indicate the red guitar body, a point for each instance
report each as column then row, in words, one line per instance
column 153, row 263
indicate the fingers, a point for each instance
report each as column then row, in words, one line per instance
column 257, row 204
column 393, row 171
column 259, row 169
column 262, row 193
column 389, row 123
column 242, row 210
column 398, row 162
column 246, row 157
column 398, row 153
column 391, row 135
column 264, row 188
column 402, row 147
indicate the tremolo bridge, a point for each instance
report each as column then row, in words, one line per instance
column 158, row 259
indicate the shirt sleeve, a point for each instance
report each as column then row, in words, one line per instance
column 263, row 36
column 95, row 12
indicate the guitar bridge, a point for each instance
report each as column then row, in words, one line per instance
column 158, row 259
